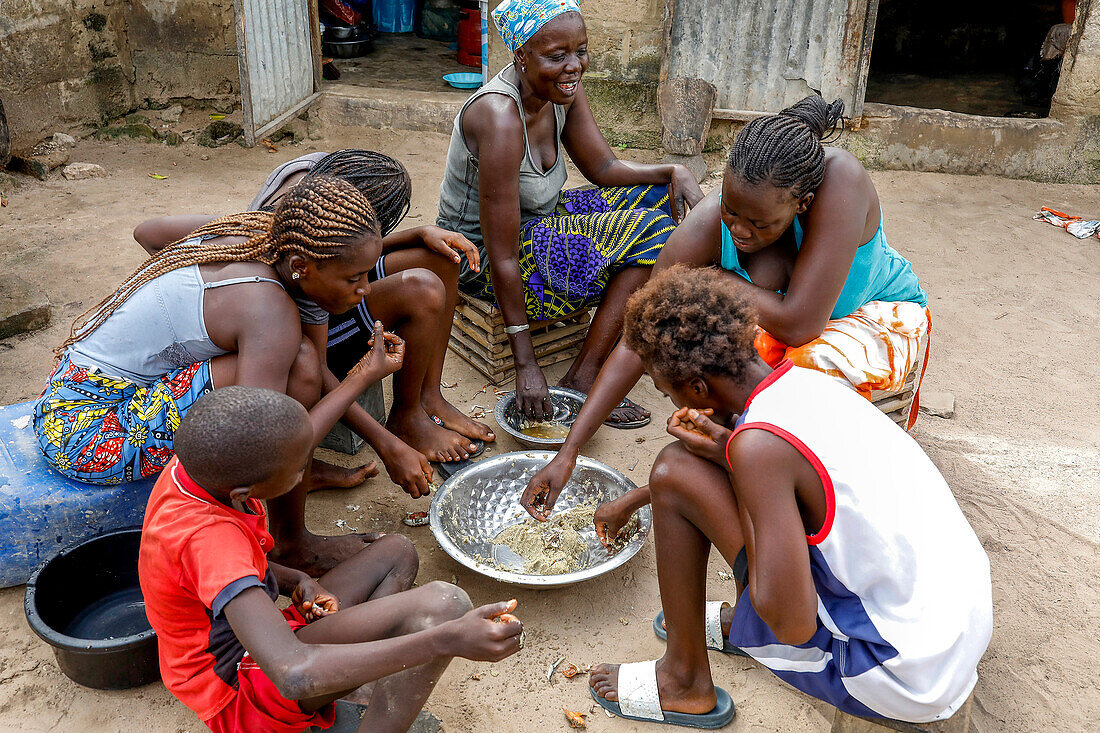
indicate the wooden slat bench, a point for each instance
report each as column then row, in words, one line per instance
column 478, row 337
column 898, row 404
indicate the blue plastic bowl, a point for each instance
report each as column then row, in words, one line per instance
column 463, row 80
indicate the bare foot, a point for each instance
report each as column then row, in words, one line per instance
column 315, row 555
column 629, row 413
column 327, row 476
column 435, row 442
column 677, row 696
column 454, row 419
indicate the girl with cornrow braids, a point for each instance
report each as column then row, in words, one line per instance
column 414, row 288
column 212, row 309
column 796, row 230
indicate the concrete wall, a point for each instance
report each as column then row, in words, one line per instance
column 64, row 65
column 71, row 65
column 625, row 46
column 183, row 49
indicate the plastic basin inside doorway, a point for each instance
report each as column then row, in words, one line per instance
column 463, row 80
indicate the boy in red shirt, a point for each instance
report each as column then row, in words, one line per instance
column 226, row 651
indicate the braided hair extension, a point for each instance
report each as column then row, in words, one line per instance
column 382, row 179
column 317, row 219
column 784, row 150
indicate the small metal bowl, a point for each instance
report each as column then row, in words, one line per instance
column 337, row 32
column 348, row 49
column 480, row 501
column 567, row 404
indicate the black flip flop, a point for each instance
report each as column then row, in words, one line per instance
column 628, row 424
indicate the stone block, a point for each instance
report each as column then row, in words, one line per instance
column 218, row 133
column 136, row 129
column 297, row 130
column 685, row 106
column 82, row 171
column 51, row 154
column 938, row 404
column 62, row 140
column 30, row 166
column 23, row 307
column 171, row 114
column 693, row 163
column 341, row 438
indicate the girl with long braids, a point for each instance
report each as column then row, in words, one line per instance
column 797, row 231
column 216, row 308
column 414, row 288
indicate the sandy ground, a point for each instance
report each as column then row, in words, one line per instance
column 1015, row 340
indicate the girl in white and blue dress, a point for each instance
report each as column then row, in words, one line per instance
column 860, row 581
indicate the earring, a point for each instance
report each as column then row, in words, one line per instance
column 295, row 276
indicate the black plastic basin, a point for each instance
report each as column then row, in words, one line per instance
column 86, row 603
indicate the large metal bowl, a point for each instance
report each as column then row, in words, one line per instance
column 567, row 404
column 477, row 503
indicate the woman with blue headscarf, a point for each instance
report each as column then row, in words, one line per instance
column 552, row 252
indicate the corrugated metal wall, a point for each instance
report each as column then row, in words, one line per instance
column 763, row 55
column 274, row 38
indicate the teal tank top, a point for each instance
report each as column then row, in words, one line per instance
column 878, row 273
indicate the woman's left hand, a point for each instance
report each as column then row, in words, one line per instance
column 313, row 601
column 683, row 192
column 700, row 435
column 451, row 245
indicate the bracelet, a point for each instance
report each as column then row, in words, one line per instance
column 513, row 330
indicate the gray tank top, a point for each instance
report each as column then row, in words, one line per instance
column 158, row 329
column 458, row 194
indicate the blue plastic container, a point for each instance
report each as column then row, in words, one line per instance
column 394, row 16
column 43, row 512
column 463, row 80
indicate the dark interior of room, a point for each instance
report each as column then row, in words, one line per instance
column 980, row 57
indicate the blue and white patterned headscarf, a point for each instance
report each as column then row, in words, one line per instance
column 518, row 20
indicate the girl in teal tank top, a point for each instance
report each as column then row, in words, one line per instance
column 878, row 272
column 801, row 228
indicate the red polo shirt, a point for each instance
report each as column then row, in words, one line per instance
column 196, row 555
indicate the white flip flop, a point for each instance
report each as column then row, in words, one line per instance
column 716, row 641
column 639, row 699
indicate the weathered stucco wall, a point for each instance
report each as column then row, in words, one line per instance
column 625, row 45
column 64, row 65
column 624, row 40
column 183, row 49
column 71, row 65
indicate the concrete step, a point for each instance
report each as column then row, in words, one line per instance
column 353, row 106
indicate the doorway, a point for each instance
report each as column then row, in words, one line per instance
column 399, row 44
column 980, row 58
